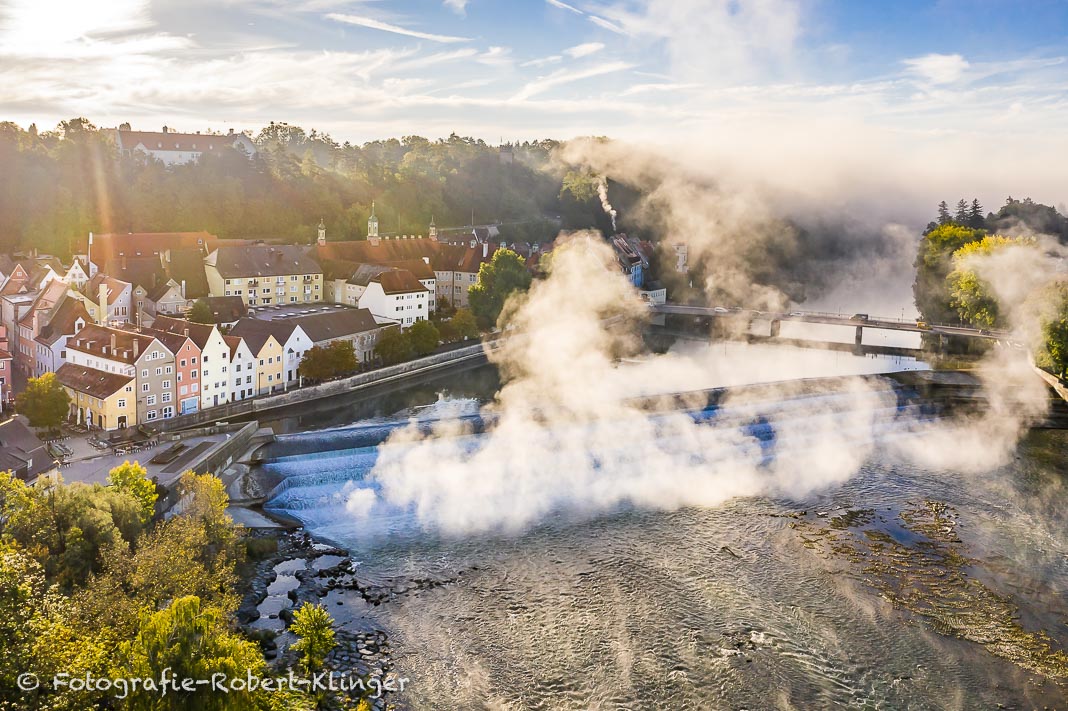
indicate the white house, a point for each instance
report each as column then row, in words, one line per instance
column 243, row 377
column 295, row 342
column 176, row 148
column 50, row 345
column 214, row 355
column 397, row 296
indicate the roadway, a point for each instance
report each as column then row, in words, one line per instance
column 888, row 324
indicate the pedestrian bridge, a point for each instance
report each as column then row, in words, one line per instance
column 858, row 321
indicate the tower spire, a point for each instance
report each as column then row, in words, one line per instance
column 372, row 223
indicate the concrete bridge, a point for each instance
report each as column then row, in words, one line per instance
column 858, row 321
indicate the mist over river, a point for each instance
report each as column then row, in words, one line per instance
column 899, row 586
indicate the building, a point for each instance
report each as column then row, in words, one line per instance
column 29, row 325
column 265, row 275
column 138, row 355
column 109, row 248
column 99, row 399
column 397, row 296
column 226, row 310
column 21, row 452
column 7, row 385
column 357, row 326
column 108, row 300
column 289, row 335
column 630, row 259
column 167, row 299
column 174, row 148
column 242, row 369
column 268, row 361
column 214, row 357
column 50, row 345
column 187, row 364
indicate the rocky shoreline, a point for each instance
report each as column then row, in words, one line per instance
column 364, row 654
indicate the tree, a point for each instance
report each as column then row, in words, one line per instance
column 465, row 324
column 934, row 262
column 505, row 274
column 975, row 215
column 44, row 402
column 961, row 218
column 325, row 362
column 971, row 297
column 201, row 312
column 393, row 346
column 343, row 357
column 425, row 337
column 315, row 629
column 133, row 479
column 943, row 213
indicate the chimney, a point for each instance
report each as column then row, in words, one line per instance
column 103, row 298
column 124, row 263
column 186, row 332
column 183, row 288
column 136, row 347
column 485, row 249
column 113, row 342
column 231, row 132
column 165, row 129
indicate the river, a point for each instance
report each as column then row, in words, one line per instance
column 903, row 586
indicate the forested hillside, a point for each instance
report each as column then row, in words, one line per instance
column 56, row 186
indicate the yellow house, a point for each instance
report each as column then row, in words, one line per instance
column 265, row 275
column 268, row 360
column 99, row 399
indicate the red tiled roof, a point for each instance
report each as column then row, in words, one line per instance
column 158, row 141
column 399, row 281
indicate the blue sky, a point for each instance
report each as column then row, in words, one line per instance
column 642, row 69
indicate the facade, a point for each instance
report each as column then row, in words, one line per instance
column 108, row 300
column 357, row 326
column 265, row 275
column 396, row 296
column 173, row 148
column 21, row 452
column 214, row 358
column 226, row 310
column 50, row 345
column 289, row 335
column 167, row 299
column 100, row 399
column 7, row 385
column 268, row 365
column 39, row 313
column 187, row 366
column 243, row 377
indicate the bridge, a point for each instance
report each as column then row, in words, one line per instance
column 857, row 321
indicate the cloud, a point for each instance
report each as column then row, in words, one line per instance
column 645, row 88
column 565, row 6
column 457, row 6
column 567, row 76
column 938, row 68
column 584, row 50
column 395, row 29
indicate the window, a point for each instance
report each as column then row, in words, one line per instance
column 166, row 385
column 193, row 360
column 151, row 414
column 261, row 361
column 183, row 390
column 169, row 370
column 159, row 371
column 144, row 387
column 122, row 402
column 179, row 377
column 183, row 362
column 238, row 368
column 248, row 380
column 166, row 397
column 150, row 400
column 168, row 411
column 194, row 387
column 144, row 373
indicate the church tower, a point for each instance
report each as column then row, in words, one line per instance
column 372, row 223
column 322, row 233
column 433, row 229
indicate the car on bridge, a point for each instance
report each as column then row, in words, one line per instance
column 859, row 317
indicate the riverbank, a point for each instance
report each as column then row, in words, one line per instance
column 293, row 569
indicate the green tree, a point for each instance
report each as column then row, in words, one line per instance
column 316, row 365
column 961, row 218
column 934, row 262
column 343, row 357
column 943, row 213
column 314, row 627
column 201, row 312
column 44, row 402
column 393, row 346
column 505, row 274
column 425, row 337
column 133, row 479
column 464, row 324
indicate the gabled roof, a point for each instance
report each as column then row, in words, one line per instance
column 419, row 268
column 443, row 257
column 235, row 343
column 145, row 244
column 187, row 265
column 188, row 142
column 145, row 271
column 173, row 342
column 21, row 451
column 227, row 309
column 365, row 273
column 62, row 321
column 198, row 332
column 95, row 383
column 54, row 292
column 337, row 323
column 256, row 332
column 399, row 281
column 114, row 286
column 263, row 260
column 96, row 340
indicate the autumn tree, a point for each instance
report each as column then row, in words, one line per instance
column 44, row 402
column 969, row 295
column 464, row 324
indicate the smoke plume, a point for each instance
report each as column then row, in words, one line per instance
column 602, row 192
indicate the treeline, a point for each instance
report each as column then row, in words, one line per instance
column 950, row 289
column 56, row 186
